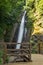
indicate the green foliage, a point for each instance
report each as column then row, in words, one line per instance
column 29, row 3
column 1, row 54
column 30, row 14
column 1, row 61
column 7, row 59
column 9, row 13
column 39, row 6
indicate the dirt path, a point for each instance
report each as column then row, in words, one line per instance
column 37, row 59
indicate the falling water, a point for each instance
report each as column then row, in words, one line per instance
column 21, row 30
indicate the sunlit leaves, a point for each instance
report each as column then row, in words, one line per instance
column 39, row 6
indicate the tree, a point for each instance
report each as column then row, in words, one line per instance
column 9, row 11
column 39, row 6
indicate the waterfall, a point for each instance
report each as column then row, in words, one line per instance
column 21, row 30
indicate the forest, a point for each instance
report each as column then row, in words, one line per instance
column 11, row 12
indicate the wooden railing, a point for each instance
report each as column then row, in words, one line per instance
column 23, row 51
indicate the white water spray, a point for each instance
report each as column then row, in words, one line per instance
column 21, row 30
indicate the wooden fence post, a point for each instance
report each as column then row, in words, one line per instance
column 5, row 52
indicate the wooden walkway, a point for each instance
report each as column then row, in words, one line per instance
column 37, row 59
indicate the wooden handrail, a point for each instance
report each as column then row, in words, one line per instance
column 14, row 43
column 17, row 49
column 17, row 54
column 18, row 43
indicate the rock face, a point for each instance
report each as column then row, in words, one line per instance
column 15, row 33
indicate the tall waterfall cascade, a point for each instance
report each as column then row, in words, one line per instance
column 21, row 30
